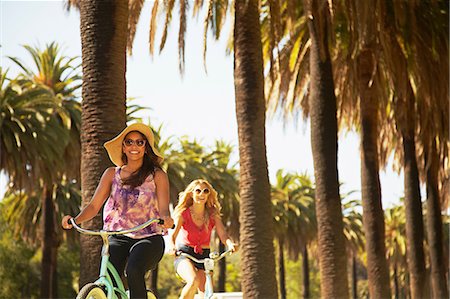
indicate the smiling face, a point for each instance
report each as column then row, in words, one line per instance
column 200, row 193
column 133, row 146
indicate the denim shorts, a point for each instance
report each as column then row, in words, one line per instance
column 190, row 250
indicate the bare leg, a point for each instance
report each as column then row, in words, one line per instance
column 202, row 279
column 188, row 273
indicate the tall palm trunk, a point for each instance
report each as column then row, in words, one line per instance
column 49, row 246
column 414, row 217
column 434, row 225
column 405, row 119
column 322, row 101
column 396, row 288
column 221, row 279
column 281, row 270
column 373, row 215
column 103, row 26
column 305, row 270
column 256, row 231
column 354, row 278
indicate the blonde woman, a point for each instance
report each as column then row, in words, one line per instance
column 196, row 215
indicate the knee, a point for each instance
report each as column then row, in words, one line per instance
column 195, row 281
column 134, row 273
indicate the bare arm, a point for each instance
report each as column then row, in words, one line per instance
column 101, row 194
column 162, row 194
column 179, row 222
column 223, row 236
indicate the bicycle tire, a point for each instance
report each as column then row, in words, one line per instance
column 91, row 291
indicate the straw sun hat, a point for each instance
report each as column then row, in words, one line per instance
column 114, row 146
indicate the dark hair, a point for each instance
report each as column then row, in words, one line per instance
column 149, row 166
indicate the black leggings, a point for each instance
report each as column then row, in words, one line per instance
column 142, row 255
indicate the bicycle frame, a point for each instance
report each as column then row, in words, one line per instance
column 209, row 267
column 106, row 267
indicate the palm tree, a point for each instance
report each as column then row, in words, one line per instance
column 368, row 87
column 224, row 177
column 294, row 221
column 354, row 235
column 322, row 105
column 103, row 27
column 24, row 110
column 434, row 224
column 396, row 245
column 258, row 279
column 431, row 29
column 55, row 74
column 405, row 118
column 29, row 119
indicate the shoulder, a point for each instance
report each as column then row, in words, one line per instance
column 183, row 215
column 216, row 217
column 214, row 214
column 160, row 175
column 109, row 173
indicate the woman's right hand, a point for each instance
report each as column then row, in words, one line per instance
column 65, row 222
column 171, row 251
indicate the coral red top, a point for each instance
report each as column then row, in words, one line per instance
column 194, row 236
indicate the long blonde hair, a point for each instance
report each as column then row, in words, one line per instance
column 185, row 200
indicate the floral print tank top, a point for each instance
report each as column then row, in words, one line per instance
column 127, row 208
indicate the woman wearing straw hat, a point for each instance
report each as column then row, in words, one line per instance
column 136, row 190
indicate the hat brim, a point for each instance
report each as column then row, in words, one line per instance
column 114, row 146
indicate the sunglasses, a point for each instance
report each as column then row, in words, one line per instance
column 130, row 142
column 198, row 191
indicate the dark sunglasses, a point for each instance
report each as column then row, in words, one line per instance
column 198, row 191
column 130, row 142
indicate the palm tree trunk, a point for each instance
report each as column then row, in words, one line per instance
column 434, row 225
column 354, row 278
column 222, row 277
column 305, row 270
column 103, row 26
column 405, row 120
column 256, row 231
column 322, row 102
column 281, row 270
column 49, row 246
column 373, row 219
column 396, row 289
column 414, row 219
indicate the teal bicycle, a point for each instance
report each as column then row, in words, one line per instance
column 109, row 284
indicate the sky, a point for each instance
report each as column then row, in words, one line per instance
column 199, row 105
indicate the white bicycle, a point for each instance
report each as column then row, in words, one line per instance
column 209, row 267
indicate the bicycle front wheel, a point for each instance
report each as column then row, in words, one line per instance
column 91, row 291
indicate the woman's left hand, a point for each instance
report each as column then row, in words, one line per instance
column 231, row 246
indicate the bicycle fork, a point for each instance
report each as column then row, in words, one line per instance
column 209, row 266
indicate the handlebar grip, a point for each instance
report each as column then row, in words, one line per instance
column 161, row 222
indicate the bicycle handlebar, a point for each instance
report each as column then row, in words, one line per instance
column 109, row 233
column 213, row 255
